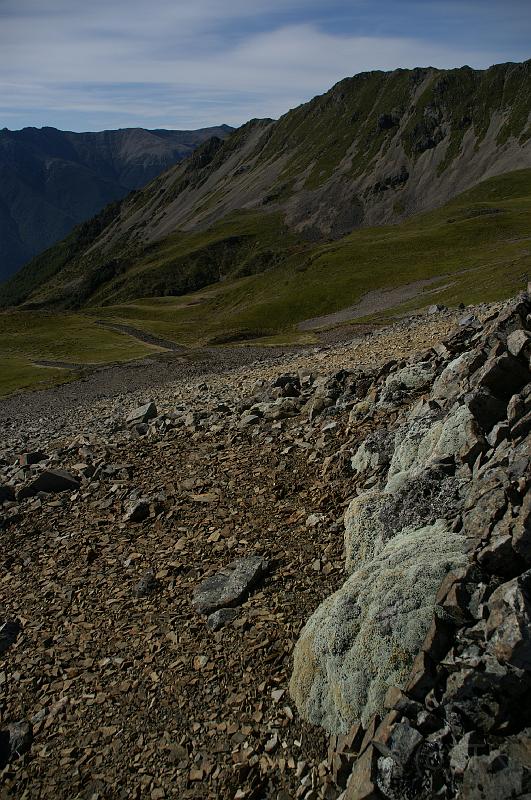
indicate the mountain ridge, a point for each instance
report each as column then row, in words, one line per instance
column 53, row 179
column 374, row 150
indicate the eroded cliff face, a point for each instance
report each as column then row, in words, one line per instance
column 375, row 149
column 431, row 629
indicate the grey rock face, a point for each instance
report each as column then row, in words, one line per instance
column 413, row 376
column 518, row 341
column 492, row 777
column 509, row 622
column 229, row 586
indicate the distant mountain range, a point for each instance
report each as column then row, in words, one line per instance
column 51, row 180
column 375, row 149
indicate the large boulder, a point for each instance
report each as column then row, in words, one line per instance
column 142, row 414
column 509, row 622
column 428, row 439
column 363, row 638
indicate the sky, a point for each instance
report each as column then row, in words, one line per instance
column 184, row 64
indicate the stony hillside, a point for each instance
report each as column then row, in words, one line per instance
column 375, row 149
column 164, row 554
column 51, row 180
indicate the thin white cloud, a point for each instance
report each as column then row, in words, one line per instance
column 192, row 63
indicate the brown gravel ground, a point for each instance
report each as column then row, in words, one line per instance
column 135, row 697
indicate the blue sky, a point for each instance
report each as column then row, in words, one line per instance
column 95, row 64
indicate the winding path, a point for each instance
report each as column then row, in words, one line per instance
column 142, row 336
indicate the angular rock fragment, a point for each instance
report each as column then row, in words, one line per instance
column 146, row 585
column 509, row 622
column 9, row 632
column 230, row 585
column 522, row 530
column 503, row 375
column 6, row 493
column 518, row 341
column 35, row 457
column 362, row 782
column 142, row 414
column 220, row 618
column 137, row 510
column 50, row 481
column 15, row 739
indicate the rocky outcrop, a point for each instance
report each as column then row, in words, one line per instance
column 432, row 627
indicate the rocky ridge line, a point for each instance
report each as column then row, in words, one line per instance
column 458, row 724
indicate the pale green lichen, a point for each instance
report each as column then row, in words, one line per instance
column 364, row 637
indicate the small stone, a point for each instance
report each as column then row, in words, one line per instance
column 9, row 632
column 272, row 744
column 517, row 341
column 6, row 493
column 229, row 586
column 498, row 434
column 248, row 420
column 522, row 427
column 27, row 459
column 522, row 530
column 146, row 585
column 221, row 617
column 468, row 319
column 137, row 511
column 15, row 739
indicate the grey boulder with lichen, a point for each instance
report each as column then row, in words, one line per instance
column 363, row 638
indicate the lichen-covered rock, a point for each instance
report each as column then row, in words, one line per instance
column 449, row 384
column 375, row 517
column 413, row 376
column 364, row 533
column 429, row 438
column 373, row 453
column 363, row 638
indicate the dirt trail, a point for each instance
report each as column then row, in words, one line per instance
column 142, row 336
column 370, row 303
